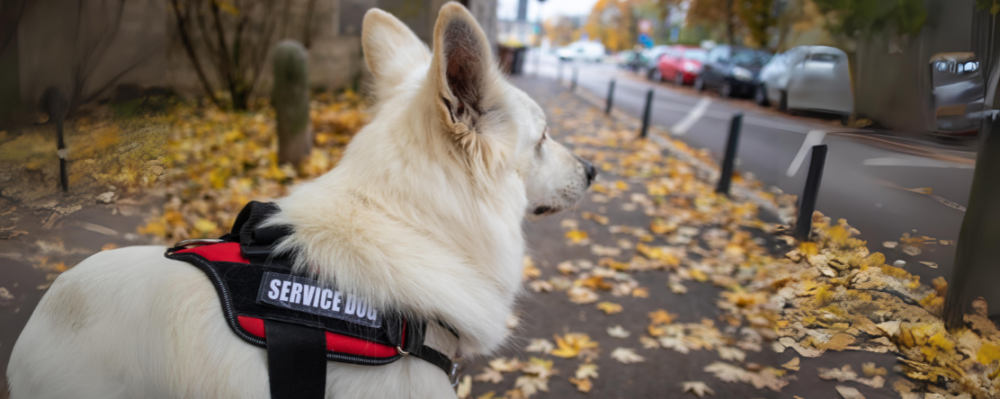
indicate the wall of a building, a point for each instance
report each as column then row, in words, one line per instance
column 51, row 44
column 892, row 78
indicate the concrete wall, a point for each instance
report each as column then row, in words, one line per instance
column 52, row 43
column 58, row 42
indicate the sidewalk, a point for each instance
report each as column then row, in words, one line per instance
column 695, row 284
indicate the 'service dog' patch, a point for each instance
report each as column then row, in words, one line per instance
column 307, row 295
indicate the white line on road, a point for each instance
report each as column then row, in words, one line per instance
column 814, row 137
column 692, row 117
column 920, row 162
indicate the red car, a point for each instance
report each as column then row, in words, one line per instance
column 682, row 64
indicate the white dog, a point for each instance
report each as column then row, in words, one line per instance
column 423, row 214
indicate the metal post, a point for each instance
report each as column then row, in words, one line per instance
column 726, row 175
column 611, row 97
column 803, row 223
column 572, row 84
column 645, row 114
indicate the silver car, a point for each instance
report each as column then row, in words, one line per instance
column 807, row 78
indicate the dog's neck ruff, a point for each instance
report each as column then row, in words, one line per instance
column 302, row 322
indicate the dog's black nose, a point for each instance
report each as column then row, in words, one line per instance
column 590, row 170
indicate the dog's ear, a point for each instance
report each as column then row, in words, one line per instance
column 391, row 49
column 462, row 70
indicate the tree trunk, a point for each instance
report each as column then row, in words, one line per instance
column 730, row 34
column 976, row 271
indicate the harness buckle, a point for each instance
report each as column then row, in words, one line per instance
column 454, row 376
column 400, row 351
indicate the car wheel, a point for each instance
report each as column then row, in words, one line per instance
column 726, row 90
column 656, row 75
column 845, row 120
column 760, row 96
column 699, row 84
column 783, row 104
column 679, row 79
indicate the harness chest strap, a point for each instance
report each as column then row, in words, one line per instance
column 302, row 323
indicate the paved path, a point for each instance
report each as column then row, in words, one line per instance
column 664, row 371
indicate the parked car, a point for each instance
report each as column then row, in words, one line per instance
column 731, row 69
column 958, row 90
column 582, row 51
column 807, row 78
column 651, row 57
column 630, row 60
column 681, row 64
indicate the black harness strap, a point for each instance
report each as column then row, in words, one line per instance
column 296, row 360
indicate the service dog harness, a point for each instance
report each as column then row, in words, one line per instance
column 301, row 322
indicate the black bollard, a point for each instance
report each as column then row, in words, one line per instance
column 726, row 175
column 56, row 105
column 572, row 83
column 645, row 114
column 803, row 223
column 611, row 97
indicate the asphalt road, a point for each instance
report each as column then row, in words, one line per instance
column 861, row 167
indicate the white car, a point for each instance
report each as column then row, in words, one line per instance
column 807, row 78
column 582, row 51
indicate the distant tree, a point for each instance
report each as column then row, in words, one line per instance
column 714, row 13
column 992, row 5
column 613, row 23
column 867, row 17
column 233, row 38
column 758, row 17
column 560, row 30
column 754, row 19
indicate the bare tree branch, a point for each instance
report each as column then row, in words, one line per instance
column 182, row 28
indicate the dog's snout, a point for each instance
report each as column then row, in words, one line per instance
column 589, row 169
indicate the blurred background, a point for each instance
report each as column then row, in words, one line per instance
column 127, row 122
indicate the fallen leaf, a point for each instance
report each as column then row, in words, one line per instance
column 610, row 307
column 618, row 332
column 792, row 364
column 540, row 345
column 626, row 355
column 849, row 392
column 731, row 354
column 464, row 387
column 489, row 375
column 698, row 388
column 582, row 385
column 931, row 265
column 586, row 370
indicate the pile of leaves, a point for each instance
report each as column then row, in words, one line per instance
column 109, row 148
column 217, row 161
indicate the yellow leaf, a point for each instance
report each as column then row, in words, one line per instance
column 576, row 236
column 609, row 307
column 661, row 316
column 988, row 354
column 582, row 385
column 205, row 226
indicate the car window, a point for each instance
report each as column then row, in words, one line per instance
column 718, row 54
column 751, row 57
column 830, row 58
column 695, row 55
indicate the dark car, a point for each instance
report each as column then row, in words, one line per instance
column 732, row 70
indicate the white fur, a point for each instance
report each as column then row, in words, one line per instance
column 423, row 215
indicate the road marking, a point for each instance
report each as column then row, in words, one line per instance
column 692, row 117
column 918, row 162
column 814, row 137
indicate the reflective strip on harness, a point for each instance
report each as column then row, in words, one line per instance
column 334, row 342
